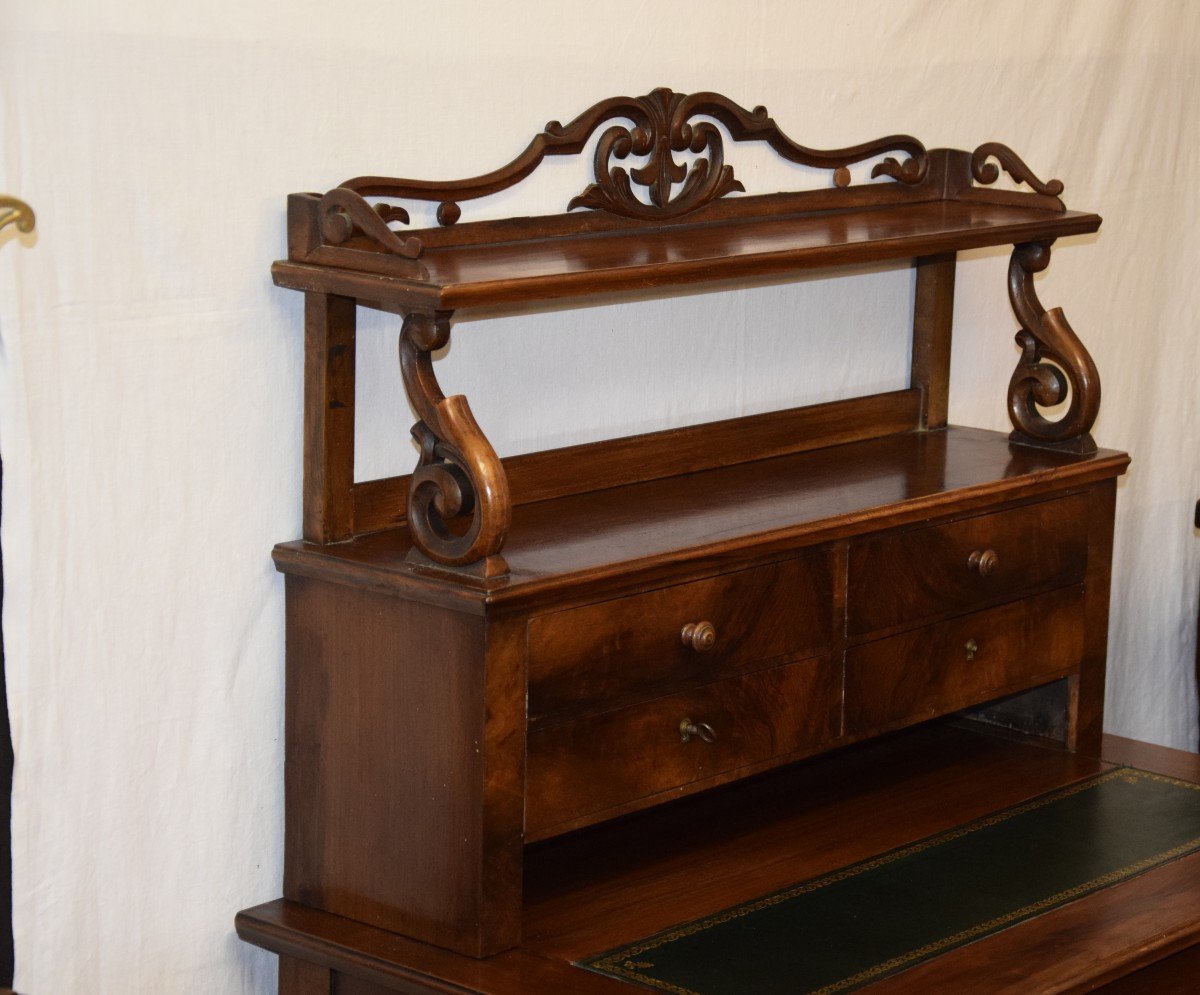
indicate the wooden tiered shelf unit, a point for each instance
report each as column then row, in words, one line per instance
column 491, row 653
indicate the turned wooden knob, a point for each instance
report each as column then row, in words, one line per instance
column 701, row 730
column 700, row 636
column 984, row 562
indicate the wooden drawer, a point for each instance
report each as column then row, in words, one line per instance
column 603, row 761
column 629, row 649
column 932, row 671
column 913, row 576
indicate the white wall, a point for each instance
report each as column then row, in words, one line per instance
column 150, row 411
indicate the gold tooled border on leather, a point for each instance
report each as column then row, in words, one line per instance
column 622, row 962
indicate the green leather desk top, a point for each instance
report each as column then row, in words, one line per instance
column 870, row 920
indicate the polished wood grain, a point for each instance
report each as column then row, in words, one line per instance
column 458, row 476
column 986, row 171
column 629, row 879
column 586, row 545
column 664, row 123
column 933, row 318
column 489, row 653
column 588, row 765
column 329, row 350
column 1054, row 366
column 594, row 891
column 681, row 229
column 1079, row 947
column 963, row 661
column 403, row 794
column 1101, row 940
column 596, row 466
column 613, row 652
column 614, row 883
column 343, row 637
column 1173, row 975
column 906, row 577
column 682, row 179
column 485, row 275
column 360, row 954
column 1148, row 756
column 1086, row 689
column 302, row 977
column 347, row 984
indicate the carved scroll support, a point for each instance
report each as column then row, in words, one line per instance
column 458, row 501
column 1053, row 365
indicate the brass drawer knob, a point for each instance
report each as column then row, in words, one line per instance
column 701, row 730
column 972, row 648
column 983, row 562
column 700, row 636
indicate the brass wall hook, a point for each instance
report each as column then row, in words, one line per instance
column 14, row 211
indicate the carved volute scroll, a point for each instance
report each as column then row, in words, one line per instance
column 1046, row 338
column 664, row 125
column 458, row 500
column 343, row 212
column 987, row 172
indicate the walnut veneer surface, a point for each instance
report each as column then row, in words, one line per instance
column 597, row 890
column 491, row 661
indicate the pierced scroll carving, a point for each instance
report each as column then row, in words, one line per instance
column 662, row 127
column 458, row 500
column 659, row 130
column 988, row 172
column 1052, row 359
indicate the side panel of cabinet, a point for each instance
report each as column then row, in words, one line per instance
column 405, row 766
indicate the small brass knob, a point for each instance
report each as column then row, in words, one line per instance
column 984, row 562
column 972, row 648
column 701, row 730
column 700, row 636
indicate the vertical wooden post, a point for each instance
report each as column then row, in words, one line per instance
column 301, row 977
column 1085, row 711
column 328, row 417
column 933, row 316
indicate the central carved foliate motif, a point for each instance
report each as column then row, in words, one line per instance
column 661, row 129
column 663, row 126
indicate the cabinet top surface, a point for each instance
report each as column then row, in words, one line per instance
column 707, row 518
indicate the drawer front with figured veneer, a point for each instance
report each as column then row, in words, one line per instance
column 909, row 577
column 963, row 661
column 616, row 652
column 608, row 761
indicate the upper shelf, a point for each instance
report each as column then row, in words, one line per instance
column 568, row 266
column 683, row 228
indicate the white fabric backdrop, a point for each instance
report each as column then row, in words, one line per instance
column 150, row 411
